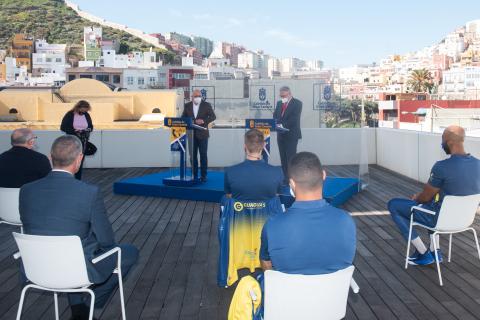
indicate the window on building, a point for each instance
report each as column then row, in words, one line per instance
column 116, row 78
column 86, row 76
column 71, row 77
column 162, row 75
column 130, row 81
column 58, row 59
column 141, row 81
column 152, row 80
column 39, row 60
column 49, row 59
column 103, row 77
column 152, row 59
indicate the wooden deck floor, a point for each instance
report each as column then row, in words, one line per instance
column 176, row 275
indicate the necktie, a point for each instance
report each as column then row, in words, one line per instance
column 284, row 107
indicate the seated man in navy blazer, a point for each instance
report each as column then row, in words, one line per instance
column 22, row 164
column 60, row 205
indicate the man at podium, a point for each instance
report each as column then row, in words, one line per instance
column 202, row 114
column 287, row 114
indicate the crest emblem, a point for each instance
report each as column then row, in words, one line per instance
column 204, row 94
column 262, row 94
column 327, row 92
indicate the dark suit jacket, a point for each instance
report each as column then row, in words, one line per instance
column 60, row 205
column 67, row 122
column 20, row 165
column 290, row 119
column 205, row 112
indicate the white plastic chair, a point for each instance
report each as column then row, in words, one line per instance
column 306, row 297
column 57, row 264
column 456, row 215
column 9, row 213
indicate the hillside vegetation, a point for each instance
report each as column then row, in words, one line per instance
column 56, row 22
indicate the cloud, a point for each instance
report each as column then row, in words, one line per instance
column 234, row 22
column 292, row 39
column 175, row 13
column 202, row 16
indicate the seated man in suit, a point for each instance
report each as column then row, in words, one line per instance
column 312, row 237
column 60, row 205
column 458, row 175
column 21, row 164
column 253, row 179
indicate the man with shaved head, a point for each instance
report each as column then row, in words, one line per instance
column 312, row 237
column 21, row 164
column 459, row 175
column 202, row 114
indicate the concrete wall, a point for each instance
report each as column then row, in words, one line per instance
column 409, row 153
column 412, row 153
column 150, row 148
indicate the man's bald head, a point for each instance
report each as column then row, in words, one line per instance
column 454, row 134
column 453, row 137
column 22, row 137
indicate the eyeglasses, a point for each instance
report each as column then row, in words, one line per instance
column 33, row 138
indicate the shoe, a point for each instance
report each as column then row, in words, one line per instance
column 414, row 256
column 423, row 259
column 440, row 255
column 203, row 179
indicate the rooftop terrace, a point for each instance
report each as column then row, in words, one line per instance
column 176, row 274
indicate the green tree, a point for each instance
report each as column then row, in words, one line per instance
column 420, row 81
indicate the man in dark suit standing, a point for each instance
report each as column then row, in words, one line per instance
column 60, row 205
column 287, row 113
column 202, row 114
column 21, row 164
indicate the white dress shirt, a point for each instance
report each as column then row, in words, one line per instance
column 195, row 110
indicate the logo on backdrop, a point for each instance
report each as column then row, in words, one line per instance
column 262, row 98
column 327, row 93
column 262, row 94
column 204, row 94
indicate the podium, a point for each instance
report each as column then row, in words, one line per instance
column 266, row 126
column 180, row 130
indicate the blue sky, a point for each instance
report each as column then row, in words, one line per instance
column 341, row 33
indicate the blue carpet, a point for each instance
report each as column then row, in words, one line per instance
column 336, row 190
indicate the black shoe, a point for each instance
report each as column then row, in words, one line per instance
column 203, row 179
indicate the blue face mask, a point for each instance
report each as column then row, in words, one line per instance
column 446, row 148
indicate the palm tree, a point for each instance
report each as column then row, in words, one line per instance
column 420, row 81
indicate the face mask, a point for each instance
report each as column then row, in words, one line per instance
column 446, row 148
column 284, row 100
column 197, row 100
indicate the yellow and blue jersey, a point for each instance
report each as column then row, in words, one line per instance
column 239, row 232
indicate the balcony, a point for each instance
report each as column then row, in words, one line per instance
column 176, row 275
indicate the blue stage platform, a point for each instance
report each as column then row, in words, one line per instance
column 336, row 190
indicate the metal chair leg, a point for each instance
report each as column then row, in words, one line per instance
column 409, row 241
column 55, row 300
column 20, row 304
column 436, row 258
column 92, row 304
column 450, row 248
column 476, row 241
column 122, row 299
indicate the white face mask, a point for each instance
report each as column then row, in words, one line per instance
column 197, row 100
column 284, row 100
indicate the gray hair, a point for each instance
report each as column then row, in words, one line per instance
column 285, row 89
column 21, row 136
column 65, row 150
